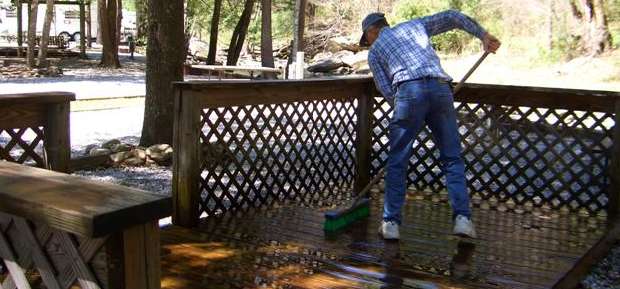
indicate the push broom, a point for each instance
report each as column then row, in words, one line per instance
column 359, row 208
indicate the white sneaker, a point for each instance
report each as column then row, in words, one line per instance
column 464, row 227
column 389, row 230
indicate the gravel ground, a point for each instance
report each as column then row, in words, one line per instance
column 606, row 274
column 155, row 179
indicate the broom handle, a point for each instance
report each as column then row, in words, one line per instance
column 470, row 72
column 366, row 190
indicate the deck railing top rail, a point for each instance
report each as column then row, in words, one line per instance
column 578, row 99
column 74, row 204
column 37, row 97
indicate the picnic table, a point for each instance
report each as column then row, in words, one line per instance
column 221, row 69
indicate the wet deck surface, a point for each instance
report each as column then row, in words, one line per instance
column 286, row 248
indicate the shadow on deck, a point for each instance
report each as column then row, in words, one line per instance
column 286, row 247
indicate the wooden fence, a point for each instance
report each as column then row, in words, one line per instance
column 242, row 144
column 34, row 129
column 59, row 231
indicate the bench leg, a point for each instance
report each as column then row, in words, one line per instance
column 142, row 256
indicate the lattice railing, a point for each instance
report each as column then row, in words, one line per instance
column 263, row 142
column 23, row 145
column 34, row 129
column 534, row 155
column 52, row 258
column 260, row 154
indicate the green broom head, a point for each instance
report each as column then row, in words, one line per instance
column 336, row 220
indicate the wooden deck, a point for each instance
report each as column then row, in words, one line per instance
column 286, row 247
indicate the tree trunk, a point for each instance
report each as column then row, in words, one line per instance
column 311, row 12
column 592, row 20
column 299, row 25
column 119, row 22
column 32, row 32
column 141, row 19
column 89, row 27
column 49, row 14
column 215, row 22
column 101, row 14
column 238, row 37
column 109, row 55
column 164, row 64
column 20, row 29
column 266, row 41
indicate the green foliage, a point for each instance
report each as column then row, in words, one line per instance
column 455, row 41
column 129, row 5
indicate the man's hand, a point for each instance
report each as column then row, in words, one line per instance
column 490, row 43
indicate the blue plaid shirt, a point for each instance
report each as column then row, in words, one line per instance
column 404, row 52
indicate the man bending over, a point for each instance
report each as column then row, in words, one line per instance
column 408, row 72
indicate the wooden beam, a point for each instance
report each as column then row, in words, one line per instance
column 575, row 275
column 73, row 204
column 142, row 257
column 614, row 169
column 363, row 143
column 186, row 164
column 36, row 98
column 57, row 139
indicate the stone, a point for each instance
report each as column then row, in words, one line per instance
column 134, row 161
column 343, row 43
column 120, row 156
column 326, row 65
column 110, row 143
column 160, row 153
column 89, row 148
column 121, row 147
column 99, row 152
column 356, row 61
column 139, row 153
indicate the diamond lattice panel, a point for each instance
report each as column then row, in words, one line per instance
column 24, row 146
column 261, row 154
column 551, row 157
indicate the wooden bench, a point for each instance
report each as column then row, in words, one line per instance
column 46, row 115
column 222, row 69
column 61, row 230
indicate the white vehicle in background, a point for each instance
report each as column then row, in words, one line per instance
column 66, row 21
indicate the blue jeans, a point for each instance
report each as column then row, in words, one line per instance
column 420, row 102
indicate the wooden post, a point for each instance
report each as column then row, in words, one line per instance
column 82, row 30
column 142, row 257
column 614, row 168
column 57, row 143
column 20, row 35
column 363, row 143
column 185, row 189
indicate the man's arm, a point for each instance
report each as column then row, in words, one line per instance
column 382, row 80
column 449, row 20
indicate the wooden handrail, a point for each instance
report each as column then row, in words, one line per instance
column 214, row 93
column 37, row 97
column 76, row 205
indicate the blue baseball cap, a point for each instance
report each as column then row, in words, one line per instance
column 371, row 19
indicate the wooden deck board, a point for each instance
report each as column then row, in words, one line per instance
column 286, row 247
